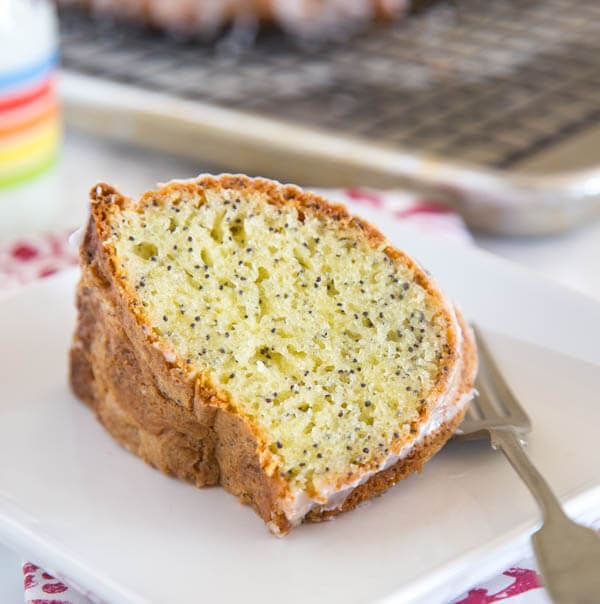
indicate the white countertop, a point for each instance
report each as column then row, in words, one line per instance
column 60, row 201
column 572, row 259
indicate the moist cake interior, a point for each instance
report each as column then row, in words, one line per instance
column 322, row 339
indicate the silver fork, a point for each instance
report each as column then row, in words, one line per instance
column 567, row 553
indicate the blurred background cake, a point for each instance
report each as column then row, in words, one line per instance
column 304, row 17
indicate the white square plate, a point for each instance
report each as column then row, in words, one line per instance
column 75, row 502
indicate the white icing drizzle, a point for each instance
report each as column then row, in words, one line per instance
column 76, row 238
column 202, row 175
column 170, row 356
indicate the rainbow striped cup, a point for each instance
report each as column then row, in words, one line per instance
column 29, row 117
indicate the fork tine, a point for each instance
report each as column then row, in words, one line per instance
column 485, row 395
column 483, row 403
column 477, row 423
column 473, row 411
column 472, row 416
column 497, row 384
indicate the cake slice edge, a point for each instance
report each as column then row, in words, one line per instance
column 178, row 424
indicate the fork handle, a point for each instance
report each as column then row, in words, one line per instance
column 567, row 553
column 508, row 442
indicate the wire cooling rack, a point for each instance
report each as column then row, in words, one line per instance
column 490, row 83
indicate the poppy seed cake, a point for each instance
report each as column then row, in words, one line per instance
column 239, row 332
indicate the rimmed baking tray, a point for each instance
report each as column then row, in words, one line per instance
column 494, row 106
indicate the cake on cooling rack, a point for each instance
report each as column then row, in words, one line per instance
column 206, row 16
column 239, row 332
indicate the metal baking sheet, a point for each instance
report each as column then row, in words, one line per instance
column 493, row 105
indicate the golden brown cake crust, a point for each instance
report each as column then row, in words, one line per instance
column 173, row 418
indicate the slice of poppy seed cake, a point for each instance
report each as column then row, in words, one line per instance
column 239, row 332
